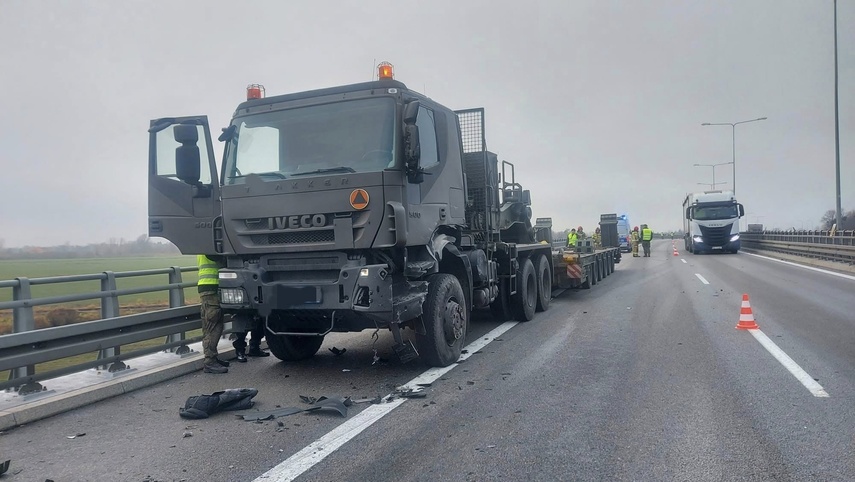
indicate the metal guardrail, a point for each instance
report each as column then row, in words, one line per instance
column 812, row 244
column 26, row 346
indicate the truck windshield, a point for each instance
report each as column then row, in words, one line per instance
column 712, row 212
column 340, row 137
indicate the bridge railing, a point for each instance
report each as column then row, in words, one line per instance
column 27, row 346
column 839, row 247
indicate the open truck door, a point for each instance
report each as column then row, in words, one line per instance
column 183, row 187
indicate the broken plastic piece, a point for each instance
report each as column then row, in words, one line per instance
column 203, row 406
column 5, row 466
column 406, row 351
column 336, row 351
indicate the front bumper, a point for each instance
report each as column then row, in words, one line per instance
column 730, row 246
column 369, row 290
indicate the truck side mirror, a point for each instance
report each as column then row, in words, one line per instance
column 688, row 213
column 187, row 160
column 411, row 112
column 741, row 210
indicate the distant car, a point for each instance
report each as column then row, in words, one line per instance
column 623, row 234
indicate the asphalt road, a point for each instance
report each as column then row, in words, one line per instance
column 643, row 377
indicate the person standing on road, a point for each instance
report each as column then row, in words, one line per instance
column 635, row 237
column 257, row 333
column 580, row 233
column 598, row 239
column 571, row 239
column 212, row 315
column 646, row 237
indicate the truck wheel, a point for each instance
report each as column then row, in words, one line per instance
column 293, row 348
column 446, row 319
column 586, row 285
column 525, row 299
column 501, row 306
column 544, row 284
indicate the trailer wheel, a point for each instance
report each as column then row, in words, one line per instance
column 501, row 306
column 586, row 285
column 544, row 283
column 525, row 299
column 446, row 319
column 293, row 348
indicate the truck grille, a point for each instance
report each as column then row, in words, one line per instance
column 717, row 236
column 306, row 237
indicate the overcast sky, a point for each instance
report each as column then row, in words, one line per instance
column 598, row 103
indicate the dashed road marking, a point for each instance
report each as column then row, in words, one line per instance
column 318, row 450
column 703, row 280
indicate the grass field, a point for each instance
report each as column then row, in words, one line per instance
column 50, row 315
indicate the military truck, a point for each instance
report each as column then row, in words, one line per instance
column 356, row 207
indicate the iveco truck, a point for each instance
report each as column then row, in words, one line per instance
column 711, row 222
column 364, row 206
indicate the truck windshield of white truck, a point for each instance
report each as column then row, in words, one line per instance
column 338, row 137
column 712, row 212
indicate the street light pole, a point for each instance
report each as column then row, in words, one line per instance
column 733, row 138
column 836, row 121
column 713, row 166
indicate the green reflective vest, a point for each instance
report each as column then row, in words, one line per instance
column 646, row 234
column 209, row 273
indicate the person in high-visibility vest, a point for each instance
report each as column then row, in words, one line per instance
column 646, row 236
column 635, row 237
column 598, row 238
column 571, row 239
column 212, row 315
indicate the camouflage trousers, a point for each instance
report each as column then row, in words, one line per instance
column 212, row 324
column 635, row 249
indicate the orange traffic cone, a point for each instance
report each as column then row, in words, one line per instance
column 675, row 251
column 746, row 316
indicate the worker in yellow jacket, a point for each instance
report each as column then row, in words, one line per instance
column 646, row 237
column 571, row 239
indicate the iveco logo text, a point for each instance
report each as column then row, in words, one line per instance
column 297, row 222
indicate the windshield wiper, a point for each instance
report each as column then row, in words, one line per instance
column 329, row 169
column 260, row 174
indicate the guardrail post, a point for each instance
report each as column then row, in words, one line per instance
column 176, row 300
column 23, row 320
column 110, row 309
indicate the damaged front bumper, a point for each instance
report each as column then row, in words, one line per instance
column 367, row 290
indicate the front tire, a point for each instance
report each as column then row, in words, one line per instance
column 525, row 299
column 446, row 319
column 293, row 348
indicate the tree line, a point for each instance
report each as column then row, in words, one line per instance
column 113, row 248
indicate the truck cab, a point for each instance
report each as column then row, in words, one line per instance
column 711, row 222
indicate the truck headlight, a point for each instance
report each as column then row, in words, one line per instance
column 232, row 296
column 733, row 238
column 698, row 239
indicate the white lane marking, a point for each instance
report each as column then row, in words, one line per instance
column 318, row 450
column 841, row 275
column 704, row 281
column 794, row 368
column 683, row 260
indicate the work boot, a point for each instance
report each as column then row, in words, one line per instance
column 256, row 351
column 222, row 363
column 240, row 355
column 214, row 367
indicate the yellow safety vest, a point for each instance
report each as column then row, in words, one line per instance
column 571, row 240
column 646, row 234
column 209, row 273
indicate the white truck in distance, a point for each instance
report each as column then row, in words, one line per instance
column 711, row 222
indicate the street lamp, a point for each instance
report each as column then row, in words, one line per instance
column 713, row 166
column 733, row 137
